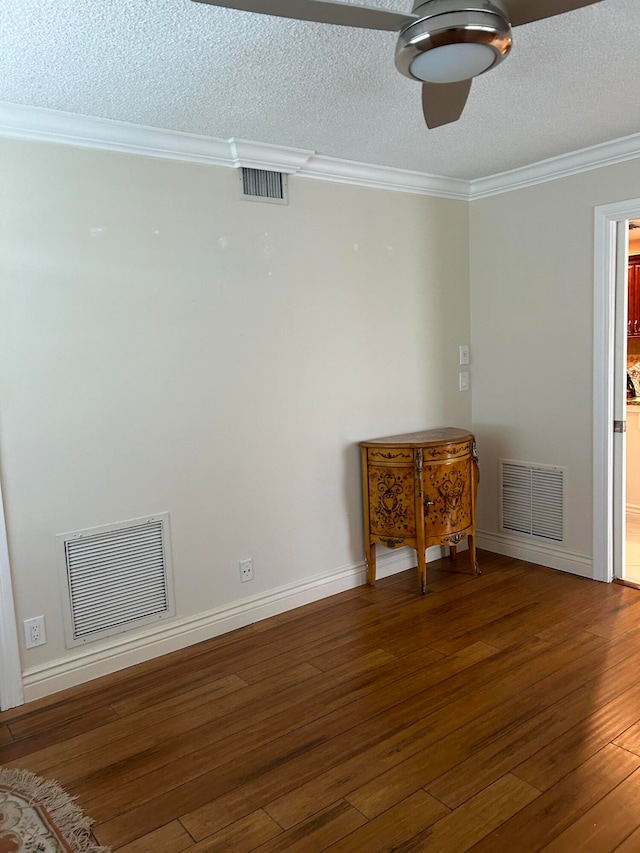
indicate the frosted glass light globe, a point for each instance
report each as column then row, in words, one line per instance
column 452, row 62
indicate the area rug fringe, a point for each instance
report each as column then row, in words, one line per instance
column 74, row 825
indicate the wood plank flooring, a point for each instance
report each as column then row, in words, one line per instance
column 497, row 713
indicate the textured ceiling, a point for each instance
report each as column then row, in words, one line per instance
column 570, row 82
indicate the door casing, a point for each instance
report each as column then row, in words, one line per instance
column 11, row 693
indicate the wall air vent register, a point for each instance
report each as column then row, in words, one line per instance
column 264, row 185
column 115, row 577
column 532, row 499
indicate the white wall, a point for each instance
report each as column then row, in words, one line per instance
column 167, row 346
column 531, row 257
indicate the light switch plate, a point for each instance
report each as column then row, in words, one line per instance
column 464, row 354
column 464, row 381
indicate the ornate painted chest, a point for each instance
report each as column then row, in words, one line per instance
column 419, row 489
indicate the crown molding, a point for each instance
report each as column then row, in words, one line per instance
column 563, row 166
column 35, row 123
column 260, row 155
column 384, row 177
column 43, row 125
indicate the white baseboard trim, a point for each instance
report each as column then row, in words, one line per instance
column 393, row 562
column 121, row 651
column 537, row 552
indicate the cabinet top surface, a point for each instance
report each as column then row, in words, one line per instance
column 423, row 438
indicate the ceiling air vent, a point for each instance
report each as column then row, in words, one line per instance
column 115, row 577
column 263, row 185
column 532, row 499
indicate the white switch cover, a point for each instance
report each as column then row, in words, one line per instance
column 464, row 381
column 464, row 355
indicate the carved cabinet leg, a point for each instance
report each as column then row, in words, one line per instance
column 371, row 565
column 422, row 570
column 453, row 553
column 472, row 555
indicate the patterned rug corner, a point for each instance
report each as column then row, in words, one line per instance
column 38, row 816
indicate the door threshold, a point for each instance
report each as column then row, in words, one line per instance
column 622, row 582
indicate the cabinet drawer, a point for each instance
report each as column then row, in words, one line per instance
column 390, row 454
column 448, row 451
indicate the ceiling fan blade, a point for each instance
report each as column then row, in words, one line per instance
column 322, row 11
column 443, row 103
column 526, row 11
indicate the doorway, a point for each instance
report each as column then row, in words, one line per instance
column 610, row 374
column 631, row 568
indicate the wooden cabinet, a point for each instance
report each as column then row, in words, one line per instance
column 419, row 489
column 633, row 303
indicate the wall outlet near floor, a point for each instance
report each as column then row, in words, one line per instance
column 246, row 570
column 34, row 632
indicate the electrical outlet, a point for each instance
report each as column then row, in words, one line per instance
column 34, row 632
column 246, row 570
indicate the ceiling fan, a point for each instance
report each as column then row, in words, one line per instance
column 443, row 44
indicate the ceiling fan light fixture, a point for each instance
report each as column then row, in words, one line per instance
column 448, row 47
column 452, row 63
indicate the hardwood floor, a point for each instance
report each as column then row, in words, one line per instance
column 497, row 713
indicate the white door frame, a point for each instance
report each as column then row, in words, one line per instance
column 11, row 693
column 607, row 218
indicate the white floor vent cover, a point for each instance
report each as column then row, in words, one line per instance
column 115, row 577
column 532, row 499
